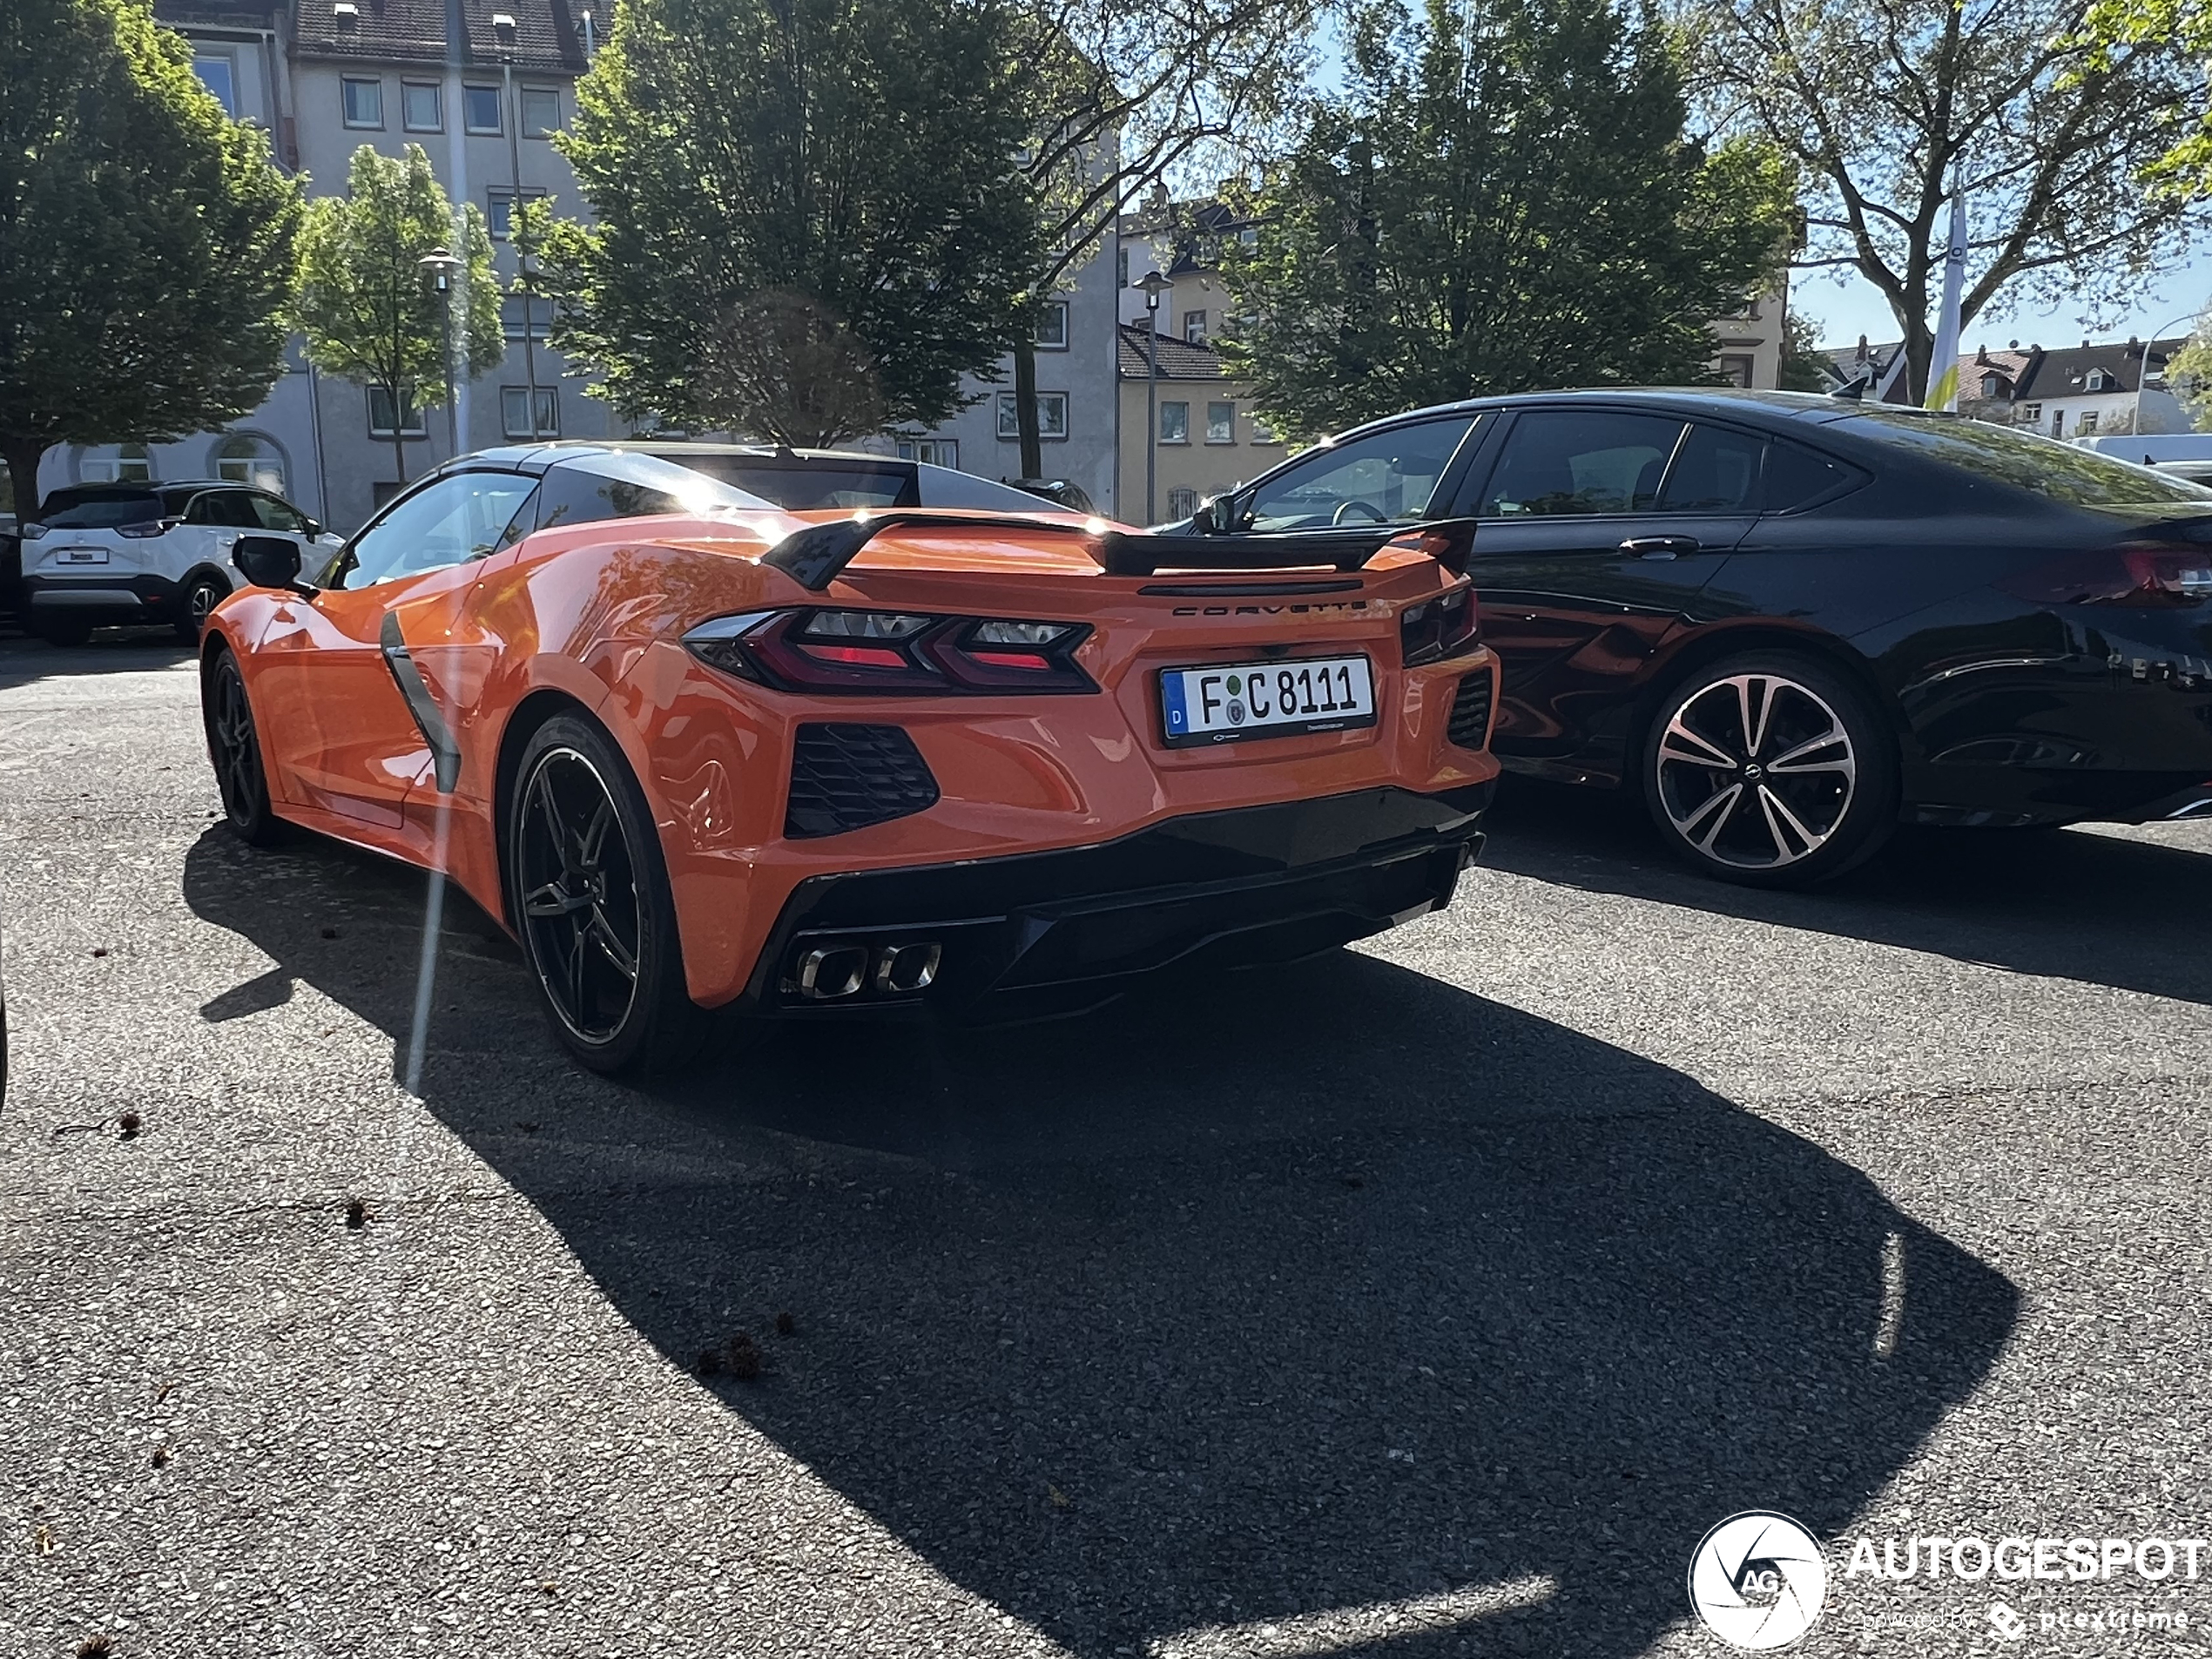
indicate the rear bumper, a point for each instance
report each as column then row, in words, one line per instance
column 103, row 600
column 1053, row 933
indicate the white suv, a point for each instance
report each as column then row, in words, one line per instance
column 102, row 553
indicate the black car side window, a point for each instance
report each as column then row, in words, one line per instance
column 1794, row 476
column 1570, row 463
column 1714, row 471
column 1385, row 477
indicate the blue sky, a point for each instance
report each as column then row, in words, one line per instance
column 1846, row 310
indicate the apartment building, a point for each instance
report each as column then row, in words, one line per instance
column 481, row 86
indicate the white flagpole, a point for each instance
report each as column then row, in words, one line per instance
column 1943, row 368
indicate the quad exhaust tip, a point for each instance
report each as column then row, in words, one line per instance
column 831, row 972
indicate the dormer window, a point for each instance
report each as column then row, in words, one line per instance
column 2098, row 381
column 345, row 16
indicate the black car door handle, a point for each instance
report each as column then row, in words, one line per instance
column 1659, row 547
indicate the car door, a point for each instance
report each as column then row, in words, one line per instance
column 336, row 720
column 213, row 520
column 1598, row 527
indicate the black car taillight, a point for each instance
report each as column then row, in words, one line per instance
column 1436, row 628
column 2134, row 573
column 891, row 653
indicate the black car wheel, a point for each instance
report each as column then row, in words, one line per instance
column 197, row 600
column 587, row 891
column 1770, row 769
column 234, row 747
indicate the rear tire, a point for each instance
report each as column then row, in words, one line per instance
column 589, row 899
column 62, row 631
column 194, row 604
column 1770, row 769
column 234, row 749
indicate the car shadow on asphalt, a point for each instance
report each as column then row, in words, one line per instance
column 25, row 661
column 2067, row 904
column 1332, row 1299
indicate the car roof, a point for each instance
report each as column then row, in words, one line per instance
column 1686, row 400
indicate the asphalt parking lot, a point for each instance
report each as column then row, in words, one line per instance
column 1430, row 1298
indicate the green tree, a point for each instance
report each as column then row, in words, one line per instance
column 370, row 311
column 1803, row 360
column 1885, row 105
column 1492, row 206
column 858, row 154
column 145, row 238
column 1117, row 98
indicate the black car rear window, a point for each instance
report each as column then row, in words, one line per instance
column 2058, row 471
column 92, row 509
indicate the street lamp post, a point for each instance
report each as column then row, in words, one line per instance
column 441, row 265
column 2142, row 365
column 503, row 26
column 1153, row 285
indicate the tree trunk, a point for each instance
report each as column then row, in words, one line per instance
column 399, row 434
column 1025, row 404
column 23, row 456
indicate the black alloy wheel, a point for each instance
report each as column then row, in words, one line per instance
column 234, row 749
column 588, row 896
column 1770, row 769
column 199, row 601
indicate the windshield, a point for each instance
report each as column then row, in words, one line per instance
column 2057, row 471
column 98, row 510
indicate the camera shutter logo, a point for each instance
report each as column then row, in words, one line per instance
column 1759, row 1580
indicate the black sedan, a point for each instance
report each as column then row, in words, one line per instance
column 1790, row 622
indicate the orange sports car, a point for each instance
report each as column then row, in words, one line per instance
column 698, row 753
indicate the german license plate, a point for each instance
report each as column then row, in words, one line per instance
column 1229, row 703
column 83, row 556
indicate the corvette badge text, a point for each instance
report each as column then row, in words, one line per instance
column 1759, row 1580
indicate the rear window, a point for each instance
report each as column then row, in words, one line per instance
column 92, row 509
column 2056, row 471
column 632, row 486
column 800, row 485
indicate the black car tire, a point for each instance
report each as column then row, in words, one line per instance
column 234, row 750
column 589, row 899
column 1813, row 795
column 64, row 629
column 195, row 602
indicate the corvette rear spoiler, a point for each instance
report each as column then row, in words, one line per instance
column 814, row 556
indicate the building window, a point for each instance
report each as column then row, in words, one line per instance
column 1052, row 327
column 2087, row 424
column 219, row 76
column 130, row 464
column 1175, row 423
column 380, row 415
column 1182, row 502
column 1221, row 423
column 1121, row 267
column 499, row 208
column 363, row 101
column 2098, row 381
column 419, row 111
column 541, row 111
column 1052, row 416
column 514, row 409
column 1194, row 327
column 1263, row 429
column 243, row 458
column 512, row 313
column 1736, row 371
column 2057, row 423
column 2031, row 415
column 480, row 109
column 935, row 452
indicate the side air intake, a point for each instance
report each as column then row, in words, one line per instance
column 848, row 777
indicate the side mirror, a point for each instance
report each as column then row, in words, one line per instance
column 267, row 561
column 1202, row 520
column 310, row 529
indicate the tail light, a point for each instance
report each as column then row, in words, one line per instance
column 1437, row 628
column 890, row 653
column 34, row 532
column 2135, row 573
column 151, row 528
